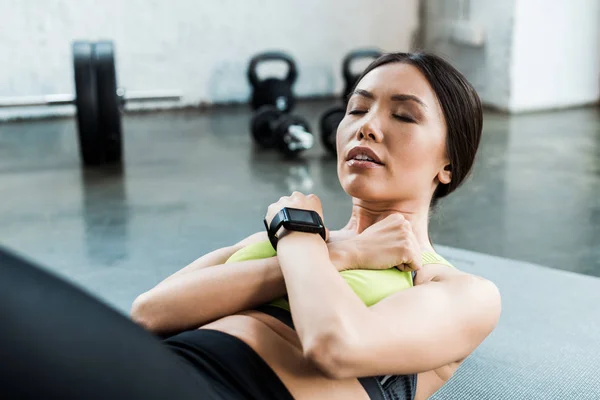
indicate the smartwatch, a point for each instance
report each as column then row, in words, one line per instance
column 295, row 219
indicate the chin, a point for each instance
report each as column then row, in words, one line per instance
column 361, row 190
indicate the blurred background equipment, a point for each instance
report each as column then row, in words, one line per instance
column 329, row 123
column 272, row 99
column 272, row 91
column 333, row 116
column 351, row 72
column 98, row 101
column 288, row 133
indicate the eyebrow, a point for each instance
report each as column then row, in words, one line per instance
column 396, row 97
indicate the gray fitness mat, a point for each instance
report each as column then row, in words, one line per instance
column 547, row 343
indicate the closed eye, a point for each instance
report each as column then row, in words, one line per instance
column 357, row 112
column 404, row 118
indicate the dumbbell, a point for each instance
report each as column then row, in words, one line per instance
column 272, row 91
column 98, row 101
column 272, row 128
column 331, row 119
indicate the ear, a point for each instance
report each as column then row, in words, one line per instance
column 445, row 175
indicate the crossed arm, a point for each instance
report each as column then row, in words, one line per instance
column 439, row 321
column 209, row 289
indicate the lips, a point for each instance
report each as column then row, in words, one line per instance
column 363, row 151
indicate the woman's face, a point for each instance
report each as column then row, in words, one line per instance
column 395, row 114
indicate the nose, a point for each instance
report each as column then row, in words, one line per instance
column 370, row 130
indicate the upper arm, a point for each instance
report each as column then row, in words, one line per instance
column 439, row 321
column 219, row 256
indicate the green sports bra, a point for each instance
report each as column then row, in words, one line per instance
column 371, row 286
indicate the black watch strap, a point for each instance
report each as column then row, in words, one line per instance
column 280, row 220
column 276, row 224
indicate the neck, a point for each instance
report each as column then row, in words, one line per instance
column 365, row 214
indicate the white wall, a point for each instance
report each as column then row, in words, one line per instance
column 486, row 67
column 200, row 47
column 537, row 54
column 556, row 54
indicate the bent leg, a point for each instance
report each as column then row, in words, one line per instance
column 58, row 342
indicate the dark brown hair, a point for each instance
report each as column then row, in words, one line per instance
column 461, row 107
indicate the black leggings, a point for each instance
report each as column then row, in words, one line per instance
column 58, row 342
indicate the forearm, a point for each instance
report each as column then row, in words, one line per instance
column 322, row 304
column 204, row 295
column 197, row 294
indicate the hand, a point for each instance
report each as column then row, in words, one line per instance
column 386, row 244
column 342, row 254
column 295, row 200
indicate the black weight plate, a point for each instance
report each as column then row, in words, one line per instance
column 263, row 124
column 329, row 124
column 108, row 101
column 90, row 141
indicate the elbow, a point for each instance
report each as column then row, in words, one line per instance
column 489, row 300
column 495, row 301
column 142, row 313
column 327, row 352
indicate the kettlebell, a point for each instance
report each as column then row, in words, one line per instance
column 274, row 92
column 350, row 77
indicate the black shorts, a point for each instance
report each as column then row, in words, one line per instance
column 238, row 372
column 59, row 342
column 231, row 366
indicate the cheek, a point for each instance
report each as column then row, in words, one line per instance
column 343, row 134
column 414, row 152
column 408, row 146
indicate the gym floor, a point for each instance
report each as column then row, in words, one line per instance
column 193, row 181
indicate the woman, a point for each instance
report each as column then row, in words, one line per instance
column 375, row 312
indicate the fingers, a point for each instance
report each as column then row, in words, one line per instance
column 409, row 246
column 417, row 260
column 300, row 196
column 295, row 200
column 412, row 250
column 412, row 264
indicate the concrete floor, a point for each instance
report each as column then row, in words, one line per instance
column 193, row 182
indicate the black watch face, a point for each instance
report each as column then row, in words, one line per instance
column 304, row 216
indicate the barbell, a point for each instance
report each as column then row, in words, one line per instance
column 97, row 99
